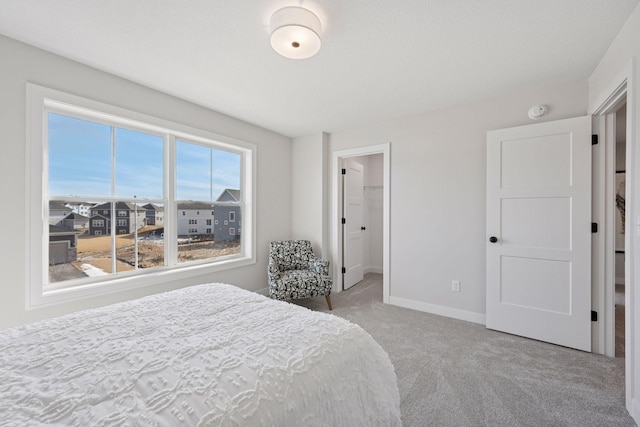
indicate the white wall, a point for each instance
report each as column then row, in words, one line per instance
column 622, row 53
column 438, row 193
column 309, row 190
column 22, row 64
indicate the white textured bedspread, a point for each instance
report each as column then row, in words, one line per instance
column 208, row 355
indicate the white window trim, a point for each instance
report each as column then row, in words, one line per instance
column 37, row 234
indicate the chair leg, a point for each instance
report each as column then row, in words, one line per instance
column 328, row 301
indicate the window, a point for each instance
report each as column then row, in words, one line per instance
column 208, row 222
column 215, row 221
column 232, row 231
column 232, row 216
column 204, row 175
column 113, row 160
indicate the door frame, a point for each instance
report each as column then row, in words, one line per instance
column 336, row 226
column 623, row 84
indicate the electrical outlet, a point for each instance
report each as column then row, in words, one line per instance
column 455, row 285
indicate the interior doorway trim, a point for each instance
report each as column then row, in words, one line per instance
column 624, row 85
column 336, row 229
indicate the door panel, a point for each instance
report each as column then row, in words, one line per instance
column 352, row 233
column 527, row 281
column 548, row 228
column 539, row 209
column 538, row 161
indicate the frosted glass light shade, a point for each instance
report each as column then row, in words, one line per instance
column 295, row 32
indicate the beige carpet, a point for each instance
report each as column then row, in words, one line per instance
column 456, row 373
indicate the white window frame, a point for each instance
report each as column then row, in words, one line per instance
column 39, row 100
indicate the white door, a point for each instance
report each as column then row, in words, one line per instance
column 539, row 231
column 352, row 229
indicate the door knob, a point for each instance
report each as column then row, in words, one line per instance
column 493, row 239
column 363, row 228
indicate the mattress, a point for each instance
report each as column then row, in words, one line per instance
column 207, row 355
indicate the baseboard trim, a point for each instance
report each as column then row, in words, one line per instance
column 635, row 411
column 440, row 310
column 376, row 270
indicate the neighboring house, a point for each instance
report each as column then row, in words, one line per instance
column 81, row 208
column 154, row 214
column 128, row 218
column 58, row 212
column 63, row 244
column 195, row 218
column 76, row 221
column 228, row 221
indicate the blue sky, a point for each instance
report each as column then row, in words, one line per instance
column 80, row 163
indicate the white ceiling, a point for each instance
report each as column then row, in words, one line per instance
column 380, row 59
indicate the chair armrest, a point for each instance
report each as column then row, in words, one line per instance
column 273, row 271
column 320, row 266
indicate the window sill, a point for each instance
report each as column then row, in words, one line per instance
column 43, row 298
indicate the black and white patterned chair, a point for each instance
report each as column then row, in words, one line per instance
column 296, row 272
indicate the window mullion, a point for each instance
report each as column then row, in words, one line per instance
column 171, row 209
column 112, row 216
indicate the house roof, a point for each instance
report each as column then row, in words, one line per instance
column 229, row 195
column 120, row 206
column 59, row 230
column 76, row 216
column 379, row 60
column 58, row 206
column 151, row 206
column 195, row 206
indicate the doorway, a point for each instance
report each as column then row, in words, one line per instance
column 620, row 227
column 362, row 202
column 376, row 213
column 604, row 108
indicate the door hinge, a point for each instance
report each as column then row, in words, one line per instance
column 344, row 220
column 344, row 171
column 594, row 139
column 594, row 316
column 344, row 270
column 594, row 227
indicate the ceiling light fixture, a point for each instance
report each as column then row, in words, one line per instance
column 295, row 32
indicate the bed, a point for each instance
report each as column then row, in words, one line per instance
column 207, row 355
